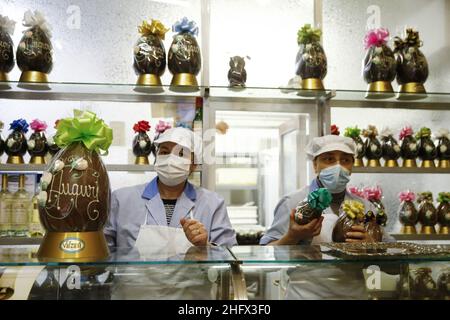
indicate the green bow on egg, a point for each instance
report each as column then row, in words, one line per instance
column 443, row 197
column 423, row 133
column 320, row 199
column 352, row 132
column 307, row 34
column 85, row 127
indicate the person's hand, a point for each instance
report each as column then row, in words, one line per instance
column 357, row 233
column 195, row 232
column 297, row 232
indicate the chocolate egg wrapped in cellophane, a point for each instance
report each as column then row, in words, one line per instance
column 427, row 213
column 6, row 47
column 149, row 53
column 443, row 212
column 373, row 146
column 74, row 199
column 351, row 213
column 16, row 142
column 390, row 148
column 355, row 134
column 35, row 50
column 312, row 207
column 184, row 59
column 378, row 218
column 427, row 148
column 407, row 212
column 443, row 148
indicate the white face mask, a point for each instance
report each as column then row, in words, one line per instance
column 172, row 170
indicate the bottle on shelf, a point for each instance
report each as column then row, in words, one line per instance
column 35, row 227
column 6, row 199
column 20, row 209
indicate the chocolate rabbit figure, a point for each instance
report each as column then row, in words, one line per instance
column 237, row 76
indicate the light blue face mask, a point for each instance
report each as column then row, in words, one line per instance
column 335, row 178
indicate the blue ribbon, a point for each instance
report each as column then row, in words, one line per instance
column 185, row 26
column 19, row 125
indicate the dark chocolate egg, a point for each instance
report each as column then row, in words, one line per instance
column 443, row 149
column 6, row 52
column 424, row 286
column 443, row 284
column 142, row 145
column 379, row 64
column 77, row 191
column 390, row 148
column 408, row 213
column 184, row 55
column 16, row 144
column 427, row 214
column 373, row 148
column 37, row 144
column 360, row 147
column 34, row 52
column 2, row 146
column 149, row 56
column 412, row 66
column 311, row 61
column 427, row 149
column 443, row 212
column 409, row 148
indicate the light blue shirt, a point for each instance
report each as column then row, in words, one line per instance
column 283, row 209
column 131, row 207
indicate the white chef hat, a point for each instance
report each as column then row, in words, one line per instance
column 328, row 143
column 185, row 138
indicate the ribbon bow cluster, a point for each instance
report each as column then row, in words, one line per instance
column 185, row 26
column 407, row 196
column 443, row 197
column 85, row 127
column 155, row 28
column 406, row 132
column 308, row 34
column 425, row 196
column 353, row 209
column 423, row 133
column 38, row 125
column 7, row 24
column 320, row 199
column 376, row 37
column 411, row 40
column 162, row 126
column 141, row 126
column 19, row 125
column 352, row 132
column 371, row 131
column 31, row 19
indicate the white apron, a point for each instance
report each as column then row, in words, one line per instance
column 159, row 281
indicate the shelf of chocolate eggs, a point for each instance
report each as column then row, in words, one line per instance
column 21, row 151
column 420, row 152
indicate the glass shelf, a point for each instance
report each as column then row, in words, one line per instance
column 96, row 92
column 401, row 170
column 27, row 256
column 132, row 93
column 357, row 99
column 421, row 237
column 273, row 255
column 263, row 255
column 38, row 168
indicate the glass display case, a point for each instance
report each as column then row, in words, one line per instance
column 401, row 271
column 254, row 136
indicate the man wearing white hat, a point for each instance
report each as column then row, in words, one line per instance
column 332, row 158
column 169, row 209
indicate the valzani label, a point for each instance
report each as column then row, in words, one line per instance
column 72, row 245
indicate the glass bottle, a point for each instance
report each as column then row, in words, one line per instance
column 35, row 227
column 5, row 208
column 20, row 209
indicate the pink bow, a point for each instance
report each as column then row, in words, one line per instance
column 406, row 132
column 376, row 37
column 38, row 125
column 373, row 194
column 355, row 191
column 162, row 126
column 407, row 196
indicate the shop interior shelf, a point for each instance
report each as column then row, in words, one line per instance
column 20, row 241
column 357, row 99
column 132, row 93
column 417, row 170
column 37, row 168
column 96, row 92
column 421, row 237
